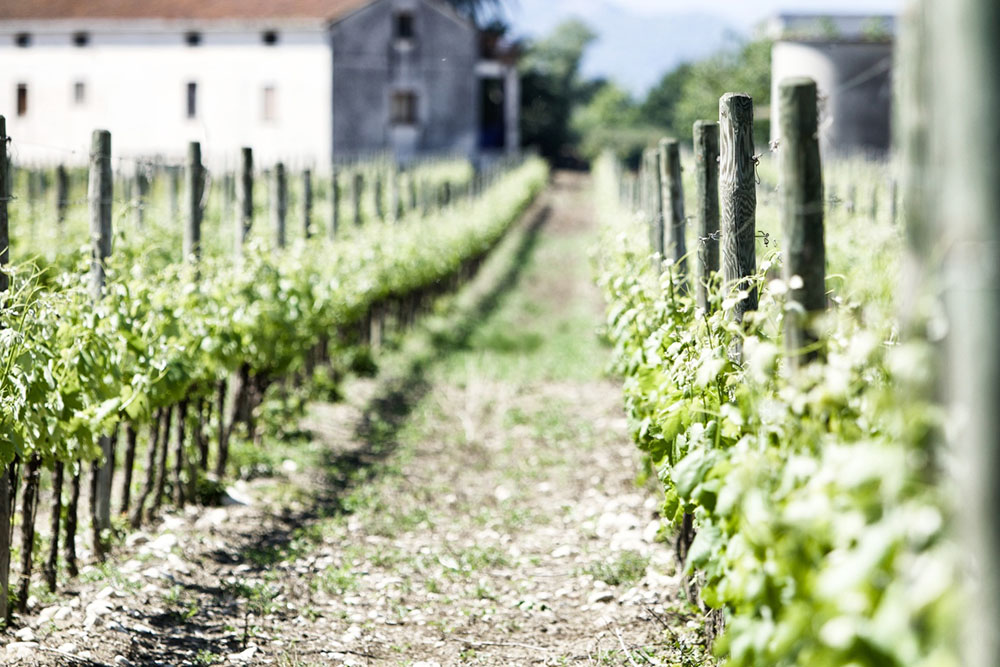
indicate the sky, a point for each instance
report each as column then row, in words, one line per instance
column 640, row 40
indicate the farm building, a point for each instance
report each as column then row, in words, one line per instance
column 851, row 60
column 310, row 80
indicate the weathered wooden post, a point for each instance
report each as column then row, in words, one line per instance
column 706, row 160
column 411, row 180
column 62, row 193
column 99, row 195
column 357, row 188
column 377, row 196
column 801, row 187
column 672, row 201
column 738, row 198
column 654, row 204
column 279, row 203
column 307, row 203
column 195, row 193
column 961, row 97
column 245, row 194
column 173, row 191
column 6, row 470
column 395, row 200
column 141, row 193
column 334, row 203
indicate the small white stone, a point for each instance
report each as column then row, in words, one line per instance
column 21, row 650
column 163, row 544
column 122, row 660
column 600, row 596
column 25, row 635
column 68, row 647
column 105, row 593
column 562, row 552
column 62, row 613
column 243, row 656
column 289, row 467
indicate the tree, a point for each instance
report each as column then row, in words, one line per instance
column 551, row 88
column 659, row 107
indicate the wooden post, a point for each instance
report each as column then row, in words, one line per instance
column 279, row 203
column 358, row 186
column 706, row 160
column 141, row 194
column 62, row 193
column 307, row 203
column 173, row 191
column 801, row 187
column 411, row 180
column 961, row 96
column 99, row 195
column 195, row 192
column 334, row 203
column 5, row 469
column 672, row 201
column 395, row 201
column 377, row 193
column 737, row 184
column 654, row 204
column 245, row 219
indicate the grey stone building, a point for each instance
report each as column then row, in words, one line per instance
column 409, row 76
column 851, row 60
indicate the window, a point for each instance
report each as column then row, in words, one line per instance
column 269, row 105
column 79, row 93
column 404, row 25
column 269, row 37
column 22, row 99
column 192, row 38
column 404, row 108
column 81, row 38
column 23, row 39
column 192, row 99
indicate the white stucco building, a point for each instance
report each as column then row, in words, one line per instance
column 851, row 59
column 299, row 80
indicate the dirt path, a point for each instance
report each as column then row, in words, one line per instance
column 476, row 504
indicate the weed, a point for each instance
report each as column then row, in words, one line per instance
column 628, row 567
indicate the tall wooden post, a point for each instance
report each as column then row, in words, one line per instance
column 173, row 192
column 672, row 198
column 62, row 193
column 738, row 195
column 706, row 161
column 962, row 94
column 358, row 187
column 99, row 195
column 654, row 204
column 5, row 468
column 377, row 195
column 195, row 193
column 801, row 187
column 141, row 193
column 334, row 203
column 279, row 203
column 245, row 219
column 307, row 203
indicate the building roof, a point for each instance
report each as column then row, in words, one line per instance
column 830, row 27
column 34, row 10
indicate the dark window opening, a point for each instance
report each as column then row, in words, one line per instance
column 192, row 38
column 79, row 92
column 269, row 37
column 492, row 118
column 404, row 108
column 23, row 39
column 192, row 99
column 22, row 99
column 81, row 38
column 404, row 25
